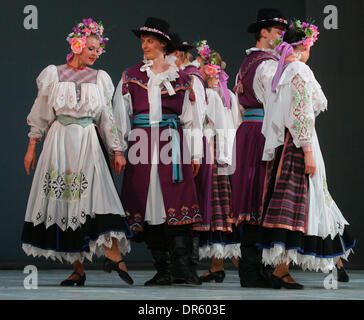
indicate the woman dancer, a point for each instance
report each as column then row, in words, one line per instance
column 301, row 222
column 220, row 239
column 74, row 210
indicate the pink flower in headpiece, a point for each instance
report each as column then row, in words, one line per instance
column 77, row 44
column 87, row 31
column 211, row 70
column 88, row 21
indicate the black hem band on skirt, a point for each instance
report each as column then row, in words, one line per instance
column 305, row 244
column 208, row 238
column 74, row 241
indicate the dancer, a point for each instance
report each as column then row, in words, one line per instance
column 74, row 210
column 159, row 196
column 219, row 239
column 178, row 52
column 255, row 74
column 301, row 222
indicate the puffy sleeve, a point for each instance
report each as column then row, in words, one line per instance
column 42, row 115
column 122, row 113
column 301, row 117
column 223, row 125
column 263, row 79
column 191, row 119
column 319, row 100
column 235, row 110
column 105, row 121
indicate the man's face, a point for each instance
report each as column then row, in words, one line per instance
column 273, row 34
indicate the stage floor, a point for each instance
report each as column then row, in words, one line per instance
column 103, row 286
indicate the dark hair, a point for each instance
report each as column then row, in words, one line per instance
column 294, row 35
column 257, row 35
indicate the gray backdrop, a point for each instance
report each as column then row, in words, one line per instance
column 24, row 53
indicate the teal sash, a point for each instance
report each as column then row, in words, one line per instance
column 171, row 121
column 67, row 120
column 254, row 115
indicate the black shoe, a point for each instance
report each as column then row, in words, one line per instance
column 160, row 279
column 69, row 283
column 217, row 276
column 278, row 282
column 110, row 265
column 342, row 275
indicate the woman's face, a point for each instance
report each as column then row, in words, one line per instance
column 201, row 68
column 89, row 53
column 152, row 47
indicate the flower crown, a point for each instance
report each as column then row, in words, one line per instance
column 211, row 68
column 206, row 53
column 88, row 27
column 310, row 30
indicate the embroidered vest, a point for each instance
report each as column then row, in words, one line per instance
column 244, row 86
column 136, row 83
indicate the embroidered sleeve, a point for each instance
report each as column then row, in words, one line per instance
column 108, row 129
column 302, row 118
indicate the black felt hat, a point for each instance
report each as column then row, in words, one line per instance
column 268, row 17
column 155, row 26
column 176, row 43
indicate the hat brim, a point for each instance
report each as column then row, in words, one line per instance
column 255, row 27
column 139, row 33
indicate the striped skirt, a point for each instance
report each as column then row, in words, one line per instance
column 286, row 190
column 222, row 215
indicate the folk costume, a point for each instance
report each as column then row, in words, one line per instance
column 253, row 79
column 74, row 208
column 159, row 197
column 301, row 223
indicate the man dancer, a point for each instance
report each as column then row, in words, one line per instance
column 255, row 76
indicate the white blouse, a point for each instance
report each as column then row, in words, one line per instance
column 299, row 99
column 60, row 98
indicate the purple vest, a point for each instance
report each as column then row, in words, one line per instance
column 180, row 199
column 136, row 82
column 246, row 77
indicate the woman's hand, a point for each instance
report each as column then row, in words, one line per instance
column 310, row 163
column 195, row 167
column 31, row 156
column 119, row 163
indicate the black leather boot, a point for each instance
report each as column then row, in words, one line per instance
column 252, row 273
column 162, row 265
column 194, row 245
column 181, row 260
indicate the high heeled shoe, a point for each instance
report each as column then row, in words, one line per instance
column 70, row 282
column 110, row 265
column 278, row 282
column 217, row 276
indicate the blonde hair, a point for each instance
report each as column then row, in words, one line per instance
column 186, row 56
column 219, row 60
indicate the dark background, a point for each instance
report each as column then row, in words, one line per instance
column 336, row 60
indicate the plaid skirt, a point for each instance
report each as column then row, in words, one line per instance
column 286, row 189
column 222, row 215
